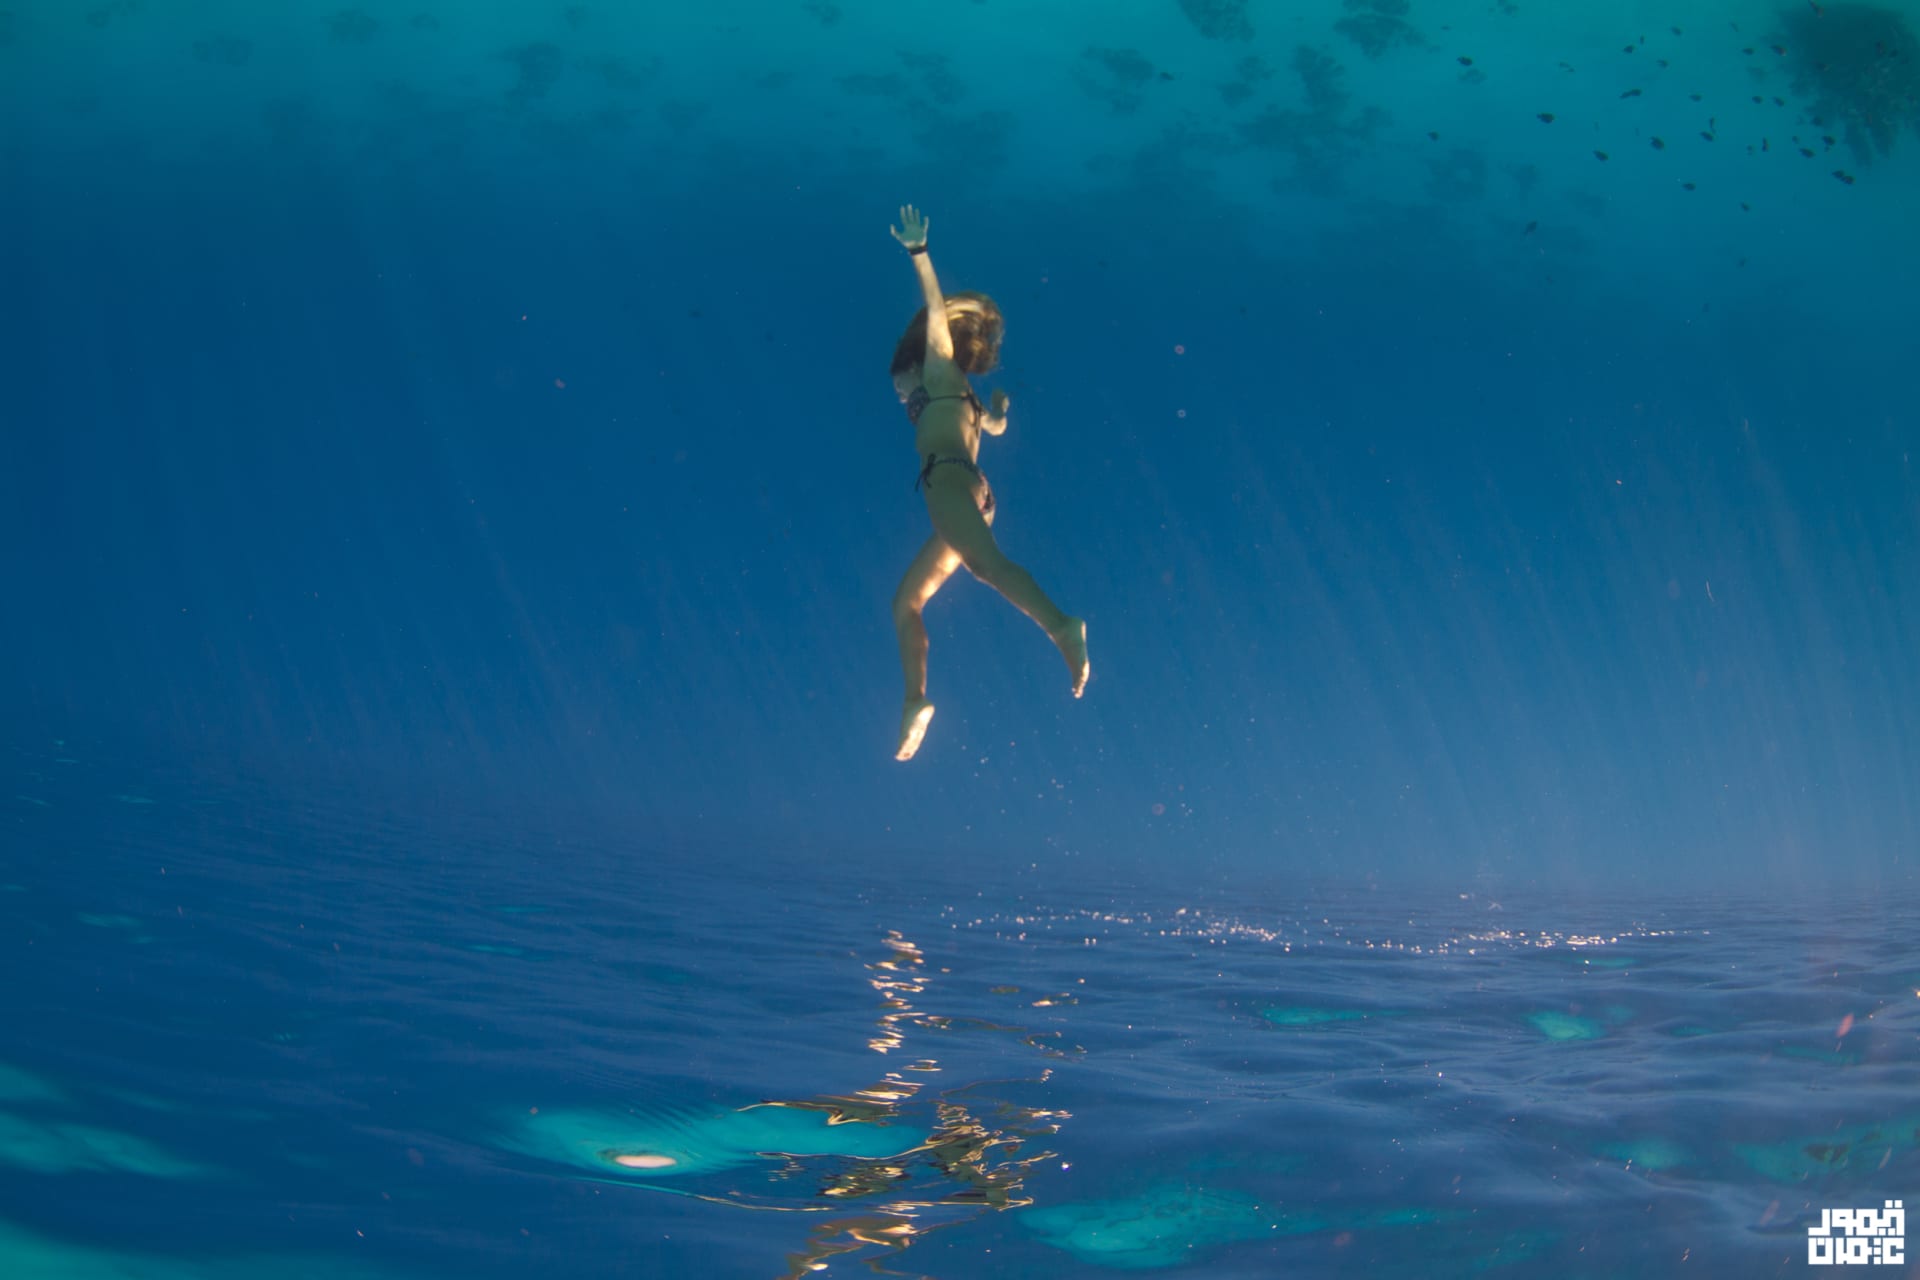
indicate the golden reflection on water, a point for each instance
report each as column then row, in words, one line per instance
column 976, row 1157
column 896, row 979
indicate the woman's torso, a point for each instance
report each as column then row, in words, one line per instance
column 946, row 419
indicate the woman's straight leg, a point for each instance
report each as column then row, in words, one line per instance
column 927, row 574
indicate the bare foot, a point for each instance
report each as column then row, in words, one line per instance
column 913, row 727
column 1073, row 647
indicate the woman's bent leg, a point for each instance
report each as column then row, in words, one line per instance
column 959, row 524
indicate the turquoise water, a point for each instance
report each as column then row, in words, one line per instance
column 449, row 502
column 305, row 1039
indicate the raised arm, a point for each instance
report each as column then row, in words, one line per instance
column 912, row 232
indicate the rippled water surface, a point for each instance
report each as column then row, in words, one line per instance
column 249, row 1035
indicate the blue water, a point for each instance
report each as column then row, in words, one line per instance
column 450, row 496
column 256, row 1036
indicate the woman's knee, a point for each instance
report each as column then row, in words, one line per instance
column 907, row 605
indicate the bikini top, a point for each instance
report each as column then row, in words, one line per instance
column 918, row 401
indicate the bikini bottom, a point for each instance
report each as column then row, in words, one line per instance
column 935, row 460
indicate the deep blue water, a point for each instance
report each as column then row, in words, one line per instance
column 450, row 496
column 248, row 1035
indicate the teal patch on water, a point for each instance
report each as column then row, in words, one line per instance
column 1690, row 1030
column 1177, row 1223
column 1161, row 1228
column 1564, row 1026
column 663, row 1145
column 493, row 949
column 43, row 1146
column 1303, row 1016
column 34, row 800
column 1617, row 1014
column 18, row 1086
column 132, row 799
column 1246, row 1166
column 1861, row 1147
column 1651, row 1154
column 32, row 1257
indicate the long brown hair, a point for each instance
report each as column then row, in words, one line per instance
column 977, row 327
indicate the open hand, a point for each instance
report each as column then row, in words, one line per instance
column 912, row 231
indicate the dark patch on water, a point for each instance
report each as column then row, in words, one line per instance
column 1219, row 19
column 353, row 26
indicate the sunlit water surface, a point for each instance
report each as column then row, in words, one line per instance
column 248, row 1035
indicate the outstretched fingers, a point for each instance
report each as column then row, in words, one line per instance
column 913, row 226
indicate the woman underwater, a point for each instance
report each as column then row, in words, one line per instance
column 949, row 339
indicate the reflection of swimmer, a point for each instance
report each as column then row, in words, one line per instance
column 949, row 339
column 859, row 1165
